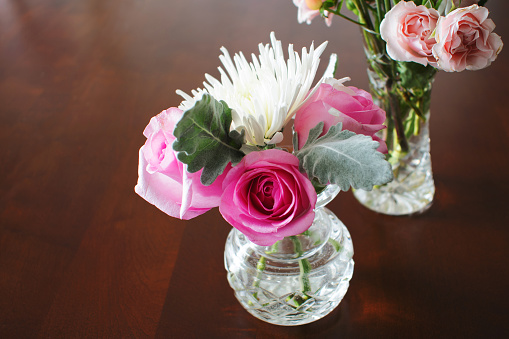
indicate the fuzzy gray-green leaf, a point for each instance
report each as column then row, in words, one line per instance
column 204, row 139
column 344, row 158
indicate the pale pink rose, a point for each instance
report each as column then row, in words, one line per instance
column 465, row 40
column 333, row 103
column 306, row 14
column 163, row 180
column 266, row 197
column 407, row 29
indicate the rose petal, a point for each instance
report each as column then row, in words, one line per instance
column 266, row 197
column 162, row 192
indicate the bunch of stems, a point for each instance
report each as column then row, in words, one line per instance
column 402, row 89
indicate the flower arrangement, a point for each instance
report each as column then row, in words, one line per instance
column 408, row 38
column 450, row 35
column 220, row 147
column 406, row 43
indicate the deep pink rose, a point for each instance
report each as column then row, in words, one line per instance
column 407, row 29
column 333, row 103
column 308, row 11
column 163, row 180
column 266, row 197
column 465, row 40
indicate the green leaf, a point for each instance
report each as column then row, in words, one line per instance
column 204, row 139
column 414, row 75
column 350, row 5
column 327, row 5
column 428, row 4
column 319, row 188
column 343, row 158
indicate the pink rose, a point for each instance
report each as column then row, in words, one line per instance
column 308, row 10
column 266, row 197
column 163, row 180
column 407, row 29
column 465, row 40
column 333, row 103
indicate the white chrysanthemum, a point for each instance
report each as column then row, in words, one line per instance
column 263, row 94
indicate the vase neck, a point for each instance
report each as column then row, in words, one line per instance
column 326, row 196
column 302, row 245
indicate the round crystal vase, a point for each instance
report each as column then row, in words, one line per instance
column 299, row 279
column 403, row 90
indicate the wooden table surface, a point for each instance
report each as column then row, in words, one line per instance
column 81, row 255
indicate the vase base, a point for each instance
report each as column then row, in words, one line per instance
column 393, row 204
column 397, row 198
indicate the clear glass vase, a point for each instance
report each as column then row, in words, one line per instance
column 403, row 90
column 297, row 280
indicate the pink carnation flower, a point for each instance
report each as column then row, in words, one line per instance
column 163, row 180
column 465, row 40
column 407, row 29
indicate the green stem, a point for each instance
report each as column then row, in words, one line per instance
column 338, row 13
column 387, row 5
column 364, row 15
column 406, row 98
column 304, row 265
column 396, row 118
column 305, row 269
column 337, row 246
column 380, row 12
column 260, row 267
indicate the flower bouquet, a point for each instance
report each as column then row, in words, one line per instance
column 288, row 258
column 406, row 43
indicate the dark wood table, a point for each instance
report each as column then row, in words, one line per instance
column 81, row 255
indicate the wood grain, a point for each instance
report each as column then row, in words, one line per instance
column 81, row 255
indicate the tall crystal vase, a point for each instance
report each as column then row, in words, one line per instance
column 403, row 90
column 297, row 280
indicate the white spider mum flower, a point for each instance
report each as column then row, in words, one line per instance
column 263, row 94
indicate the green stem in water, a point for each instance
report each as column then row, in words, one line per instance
column 260, row 267
column 304, row 266
column 394, row 111
column 337, row 246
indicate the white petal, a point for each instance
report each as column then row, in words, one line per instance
column 264, row 93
